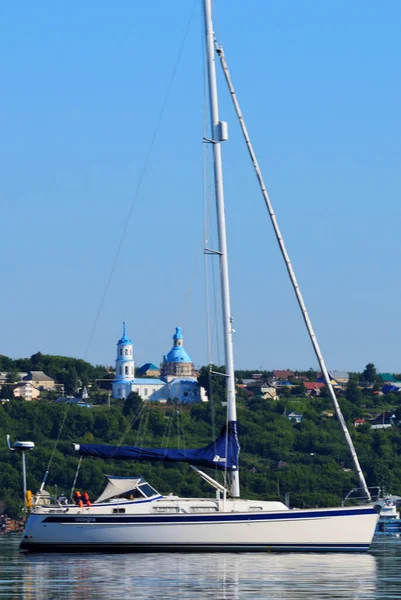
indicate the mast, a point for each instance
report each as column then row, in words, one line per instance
column 219, row 134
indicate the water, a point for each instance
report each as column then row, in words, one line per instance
column 204, row 576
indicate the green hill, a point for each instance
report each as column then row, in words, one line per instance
column 309, row 460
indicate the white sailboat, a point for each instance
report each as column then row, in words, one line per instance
column 130, row 515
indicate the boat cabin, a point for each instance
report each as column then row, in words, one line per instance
column 126, row 488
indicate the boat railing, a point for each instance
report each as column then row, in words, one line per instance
column 358, row 496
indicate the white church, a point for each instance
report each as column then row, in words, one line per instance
column 177, row 378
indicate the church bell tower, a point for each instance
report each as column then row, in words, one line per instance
column 125, row 367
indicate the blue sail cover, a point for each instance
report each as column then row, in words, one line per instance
column 222, row 454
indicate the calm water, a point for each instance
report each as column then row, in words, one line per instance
column 217, row 576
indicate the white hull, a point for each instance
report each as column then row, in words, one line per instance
column 348, row 529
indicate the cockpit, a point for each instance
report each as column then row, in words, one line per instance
column 126, row 488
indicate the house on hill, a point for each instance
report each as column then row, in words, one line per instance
column 26, row 390
column 391, row 388
column 284, row 383
column 283, row 374
column 313, row 388
column 262, row 390
column 293, row 416
column 148, row 370
column 384, row 421
column 386, row 377
column 333, row 381
column 341, row 377
column 40, row 380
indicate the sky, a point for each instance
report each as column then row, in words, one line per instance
column 86, row 87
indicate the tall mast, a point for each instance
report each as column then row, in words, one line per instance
column 218, row 134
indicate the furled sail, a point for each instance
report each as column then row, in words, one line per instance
column 221, row 454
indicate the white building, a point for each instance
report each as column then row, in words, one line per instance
column 26, row 390
column 178, row 379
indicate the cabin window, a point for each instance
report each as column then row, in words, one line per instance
column 147, row 490
column 131, row 494
column 118, row 511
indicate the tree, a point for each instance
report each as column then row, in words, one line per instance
column 12, row 376
column 369, row 375
column 311, row 374
column 37, row 361
column 353, row 393
column 132, row 404
column 214, row 385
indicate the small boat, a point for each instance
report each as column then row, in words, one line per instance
column 389, row 517
column 130, row 515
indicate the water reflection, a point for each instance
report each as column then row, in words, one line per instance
column 217, row 576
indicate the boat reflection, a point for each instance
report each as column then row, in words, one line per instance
column 223, row 576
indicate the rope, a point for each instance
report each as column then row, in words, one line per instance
column 54, row 448
column 76, row 477
column 291, row 271
column 141, row 178
column 143, row 425
column 129, row 427
column 166, row 434
column 212, row 329
column 129, row 215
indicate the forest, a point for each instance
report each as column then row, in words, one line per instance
column 65, row 370
column 308, row 460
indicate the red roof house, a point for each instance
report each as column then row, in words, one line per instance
column 283, row 374
column 313, row 387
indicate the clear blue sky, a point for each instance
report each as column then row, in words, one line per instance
column 82, row 85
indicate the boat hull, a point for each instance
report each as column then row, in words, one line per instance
column 320, row 530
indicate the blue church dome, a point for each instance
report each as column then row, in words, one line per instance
column 178, row 334
column 177, row 352
column 124, row 339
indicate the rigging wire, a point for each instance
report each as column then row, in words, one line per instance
column 291, row 272
column 49, row 464
column 143, row 426
column 129, row 215
column 74, row 483
column 130, row 426
column 206, row 229
column 167, row 433
column 177, row 424
column 141, row 178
